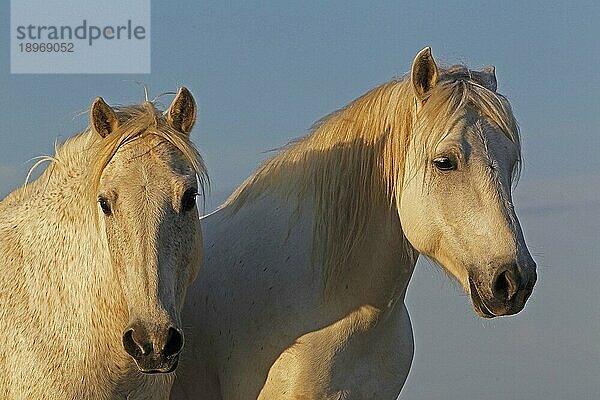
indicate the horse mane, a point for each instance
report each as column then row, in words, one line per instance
column 354, row 158
column 89, row 149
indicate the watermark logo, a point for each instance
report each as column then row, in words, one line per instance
column 74, row 36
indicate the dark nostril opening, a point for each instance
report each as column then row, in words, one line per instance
column 505, row 286
column 174, row 342
column 131, row 346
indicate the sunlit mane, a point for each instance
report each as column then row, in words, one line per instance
column 354, row 158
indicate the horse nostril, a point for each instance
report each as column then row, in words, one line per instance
column 174, row 342
column 131, row 346
column 505, row 285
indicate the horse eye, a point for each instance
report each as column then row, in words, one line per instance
column 444, row 164
column 105, row 206
column 188, row 201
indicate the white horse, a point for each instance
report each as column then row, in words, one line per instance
column 96, row 256
column 306, row 265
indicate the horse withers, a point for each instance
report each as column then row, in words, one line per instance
column 96, row 256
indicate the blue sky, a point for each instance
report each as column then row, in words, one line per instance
column 262, row 72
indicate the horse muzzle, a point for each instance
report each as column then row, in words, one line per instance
column 504, row 293
column 153, row 353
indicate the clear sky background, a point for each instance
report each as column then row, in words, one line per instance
column 262, row 72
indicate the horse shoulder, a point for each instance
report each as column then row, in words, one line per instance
column 366, row 354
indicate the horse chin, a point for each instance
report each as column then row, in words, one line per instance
column 158, row 368
column 478, row 304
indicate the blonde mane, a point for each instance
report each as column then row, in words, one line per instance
column 354, row 158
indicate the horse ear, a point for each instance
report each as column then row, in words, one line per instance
column 424, row 74
column 102, row 118
column 488, row 78
column 181, row 114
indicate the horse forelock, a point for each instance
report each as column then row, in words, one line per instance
column 140, row 123
column 354, row 158
column 457, row 93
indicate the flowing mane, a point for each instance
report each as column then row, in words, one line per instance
column 89, row 151
column 355, row 157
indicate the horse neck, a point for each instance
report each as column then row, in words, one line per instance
column 379, row 267
column 342, row 175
